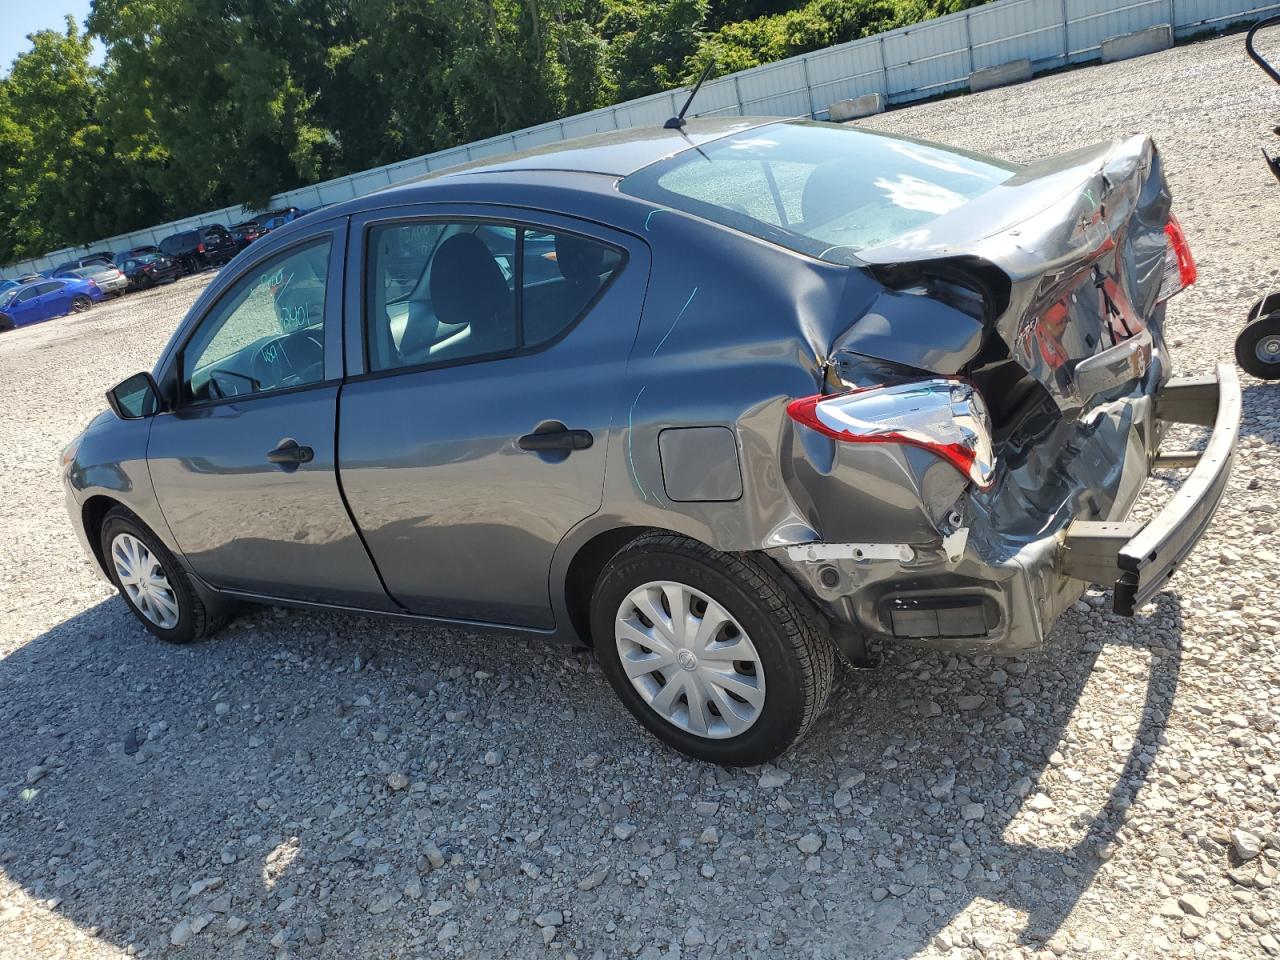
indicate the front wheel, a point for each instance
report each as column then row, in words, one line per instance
column 709, row 651
column 80, row 303
column 1258, row 347
column 152, row 582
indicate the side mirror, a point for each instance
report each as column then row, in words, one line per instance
column 135, row 397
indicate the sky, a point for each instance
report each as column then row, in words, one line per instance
column 21, row 17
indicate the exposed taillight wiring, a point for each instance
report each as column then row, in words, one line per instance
column 946, row 416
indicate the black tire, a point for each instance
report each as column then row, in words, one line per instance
column 195, row 620
column 797, row 659
column 80, row 303
column 1258, row 347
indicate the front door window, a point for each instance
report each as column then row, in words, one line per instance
column 266, row 334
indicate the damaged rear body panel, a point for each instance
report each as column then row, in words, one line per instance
column 1037, row 299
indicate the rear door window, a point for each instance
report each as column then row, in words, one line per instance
column 446, row 291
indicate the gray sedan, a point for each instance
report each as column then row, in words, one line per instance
column 724, row 402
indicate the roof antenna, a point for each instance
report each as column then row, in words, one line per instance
column 677, row 122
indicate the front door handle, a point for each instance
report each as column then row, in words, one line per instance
column 556, row 440
column 290, row 453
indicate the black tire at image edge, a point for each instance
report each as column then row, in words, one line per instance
column 1247, row 343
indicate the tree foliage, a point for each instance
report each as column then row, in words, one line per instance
column 206, row 103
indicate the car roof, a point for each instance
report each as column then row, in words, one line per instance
column 614, row 153
column 582, row 166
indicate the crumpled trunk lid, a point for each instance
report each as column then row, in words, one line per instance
column 1079, row 237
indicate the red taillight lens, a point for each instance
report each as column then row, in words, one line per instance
column 199, row 248
column 947, row 417
column 1179, row 265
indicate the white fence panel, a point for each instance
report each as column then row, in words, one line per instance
column 1022, row 29
column 1195, row 16
column 449, row 158
column 844, row 72
column 927, row 60
column 647, row 111
column 538, row 136
column 907, row 64
column 597, row 121
column 1089, row 22
column 717, row 98
column 777, row 90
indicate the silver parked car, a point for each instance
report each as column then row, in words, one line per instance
column 723, row 402
column 110, row 280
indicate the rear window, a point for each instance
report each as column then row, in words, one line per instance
column 821, row 189
column 180, row 241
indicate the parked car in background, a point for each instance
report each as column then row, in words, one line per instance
column 133, row 252
column 46, row 299
column 196, row 250
column 245, row 233
column 148, row 269
column 274, row 219
column 79, row 262
column 110, row 280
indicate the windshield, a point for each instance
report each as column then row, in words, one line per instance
column 8, row 296
column 821, row 189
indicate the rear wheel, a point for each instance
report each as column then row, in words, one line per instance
column 1258, row 347
column 80, row 303
column 152, row 582
column 709, row 651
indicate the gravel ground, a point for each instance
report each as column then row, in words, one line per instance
column 314, row 785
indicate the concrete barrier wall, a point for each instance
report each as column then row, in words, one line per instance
column 911, row 63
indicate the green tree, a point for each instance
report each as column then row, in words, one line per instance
column 200, row 88
column 650, row 42
column 208, row 103
column 62, row 182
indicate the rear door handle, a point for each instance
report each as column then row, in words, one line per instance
column 290, row 453
column 556, row 440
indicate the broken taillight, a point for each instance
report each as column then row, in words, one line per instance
column 945, row 416
column 1179, row 265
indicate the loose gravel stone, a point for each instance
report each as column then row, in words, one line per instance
column 810, row 843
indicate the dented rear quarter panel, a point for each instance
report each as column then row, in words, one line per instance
column 733, row 328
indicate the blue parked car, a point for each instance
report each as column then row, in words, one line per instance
column 46, row 299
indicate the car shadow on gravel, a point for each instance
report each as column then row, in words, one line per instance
column 255, row 778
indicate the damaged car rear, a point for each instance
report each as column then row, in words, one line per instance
column 988, row 386
column 724, row 401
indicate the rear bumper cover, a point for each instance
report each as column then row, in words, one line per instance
column 877, row 588
column 1140, row 558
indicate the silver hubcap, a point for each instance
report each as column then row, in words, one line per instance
column 143, row 579
column 690, row 660
column 1268, row 349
